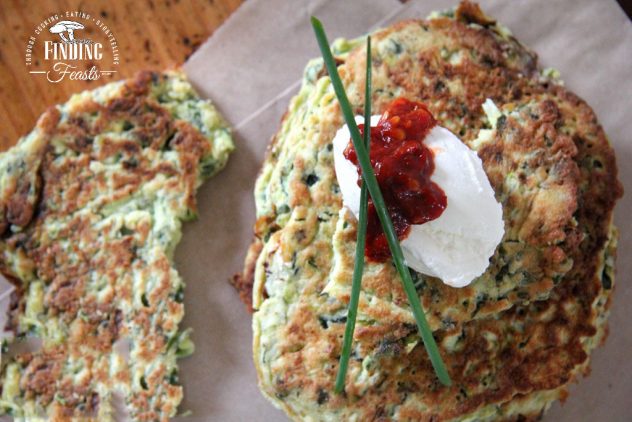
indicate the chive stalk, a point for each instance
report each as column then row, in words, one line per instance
column 380, row 206
column 358, row 267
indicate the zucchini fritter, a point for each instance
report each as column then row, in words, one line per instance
column 91, row 205
column 514, row 338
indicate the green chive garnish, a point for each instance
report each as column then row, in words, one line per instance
column 371, row 182
column 359, row 253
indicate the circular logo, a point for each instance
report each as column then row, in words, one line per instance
column 72, row 46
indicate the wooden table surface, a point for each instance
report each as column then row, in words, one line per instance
column 151, row 34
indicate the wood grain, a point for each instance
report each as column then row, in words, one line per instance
column 151, row 34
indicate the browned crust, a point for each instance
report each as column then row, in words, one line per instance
column 244, row 281
column 469, row 12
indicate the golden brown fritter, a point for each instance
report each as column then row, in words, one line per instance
column 91, row 204
column 515, row 337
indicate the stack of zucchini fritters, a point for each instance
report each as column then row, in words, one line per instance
column 516, row 337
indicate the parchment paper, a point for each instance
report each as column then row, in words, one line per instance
column 252, row 66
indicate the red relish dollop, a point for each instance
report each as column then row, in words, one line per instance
column 403, row 166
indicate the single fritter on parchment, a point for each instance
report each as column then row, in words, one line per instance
column 91, row 207
column 520, row 333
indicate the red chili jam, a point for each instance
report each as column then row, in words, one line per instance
column 403, row 166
